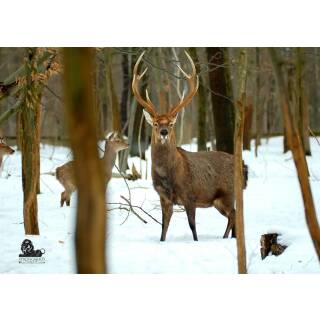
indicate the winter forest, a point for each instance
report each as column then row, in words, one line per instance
column 156, row 160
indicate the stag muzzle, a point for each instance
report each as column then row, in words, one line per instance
column 164, row 135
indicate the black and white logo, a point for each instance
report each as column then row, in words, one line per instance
column 29, row 254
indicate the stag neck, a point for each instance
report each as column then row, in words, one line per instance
column 163, row 153
column 110, row 155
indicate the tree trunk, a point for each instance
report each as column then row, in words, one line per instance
column 125, row 92
column 258, row 105
column 201, row 99
column 298, row 155
column 30, row 142
column 112, row 96
column 89, row 175
column 238, row 163
column 222, row 98
column 248, row 112
column 303, row 110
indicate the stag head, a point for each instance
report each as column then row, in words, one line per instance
column 162, row 125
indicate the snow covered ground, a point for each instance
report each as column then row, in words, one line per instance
column 272, row 203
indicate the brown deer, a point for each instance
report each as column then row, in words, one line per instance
column 192, row 179
column 4, row 149
column 65, row 175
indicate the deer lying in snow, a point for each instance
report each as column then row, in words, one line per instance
column 4, row 149
column 192, row 179
column 113, row 144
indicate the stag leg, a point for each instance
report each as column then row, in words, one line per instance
column 230, row 225
column 63, row 198
column 191, row 213
column 167, row 209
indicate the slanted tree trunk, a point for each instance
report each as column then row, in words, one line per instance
column 302, row 106
column 296, row 147
column 238, row 163
column 201, row 99
column 30, row 142
column 89, row 175
column 222, row 98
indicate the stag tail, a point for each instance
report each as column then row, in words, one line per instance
column 58, row 173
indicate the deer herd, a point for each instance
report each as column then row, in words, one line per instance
column 190, row 179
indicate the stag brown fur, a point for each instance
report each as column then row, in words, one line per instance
column 65, row 174
column 192, row 179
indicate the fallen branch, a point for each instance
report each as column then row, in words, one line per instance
column 144, row 211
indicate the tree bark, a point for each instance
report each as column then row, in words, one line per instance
column 125, row 92
column 296, row 147
column 258, row 106
column 201, row 99
column 238, row 163
column 112, row 96
column 89, row 175
column 30, row 142
column 222, row 98
column 303, row 110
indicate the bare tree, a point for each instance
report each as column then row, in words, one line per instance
column 91, row 209
column 238, row 163
column 30, row 143
column 296, row 147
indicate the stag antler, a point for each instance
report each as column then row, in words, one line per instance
column 193, row 83
column 147, row 105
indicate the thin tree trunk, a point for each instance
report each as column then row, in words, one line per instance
column 303, row 110
column 238, row 163
column 258, row 105
column 89, row 175
column 125, row 91
column 222, row 98
column 298, row 155
column 30, row 142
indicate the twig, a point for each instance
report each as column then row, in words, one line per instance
column 313, row 135
column 132, row 209
column 144, row 211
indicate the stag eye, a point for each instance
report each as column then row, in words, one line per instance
column 156, row 125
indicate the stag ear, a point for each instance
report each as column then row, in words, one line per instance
column 110, row 136
column 148, row 117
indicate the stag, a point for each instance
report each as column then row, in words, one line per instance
column 65, row 173
column 191, row 179
column 4, row 149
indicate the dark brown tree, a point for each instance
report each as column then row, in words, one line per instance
column 91, row 209
column 201, row 108
column 222, row 98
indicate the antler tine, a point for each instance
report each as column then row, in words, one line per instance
column 193, row 83
column 147, row 105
